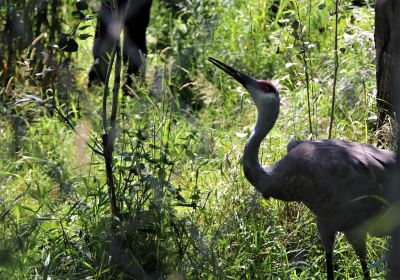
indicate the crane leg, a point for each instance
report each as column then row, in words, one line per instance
column 328, row 240
column 329, row 265
column 358, row 239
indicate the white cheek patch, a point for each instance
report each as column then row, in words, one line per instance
column 262, row 96
column 270, row 97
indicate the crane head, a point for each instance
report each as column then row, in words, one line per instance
column 263, row 92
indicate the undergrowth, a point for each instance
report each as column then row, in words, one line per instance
column 187, row 211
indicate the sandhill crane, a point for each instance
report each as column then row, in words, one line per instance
column 341, row 182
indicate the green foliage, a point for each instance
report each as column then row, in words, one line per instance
column 186, row 209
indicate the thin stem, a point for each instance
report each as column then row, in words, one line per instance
column 68, row 122
column 305, row 62
column 117, row 82
column 313, row 98
column 308, row 91
column 336, row 69
column 108, row 139
column 106, row 91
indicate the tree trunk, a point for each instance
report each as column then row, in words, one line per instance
column 384, row 44
column 387, row 39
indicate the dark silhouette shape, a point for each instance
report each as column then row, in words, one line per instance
column 134, row 26
column 362, row 3
column 341, row 182
column 386, row 34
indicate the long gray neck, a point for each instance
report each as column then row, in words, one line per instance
column 254, row 172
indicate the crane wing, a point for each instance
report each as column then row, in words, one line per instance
column 337, row 158
column 333, row 178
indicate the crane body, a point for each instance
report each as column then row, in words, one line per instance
column 343, row 183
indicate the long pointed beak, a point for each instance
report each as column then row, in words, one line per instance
column 237, row 75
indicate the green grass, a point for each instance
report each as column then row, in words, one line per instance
column 188, row 211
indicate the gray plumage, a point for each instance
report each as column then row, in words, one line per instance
column 341, row 182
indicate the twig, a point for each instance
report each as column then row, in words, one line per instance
column 336, row 70
column 106, row 90
column 109, row 137
column 68, row 122
column 117, row 82
column 306, row 69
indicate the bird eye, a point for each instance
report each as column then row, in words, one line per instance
column 268, row 87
